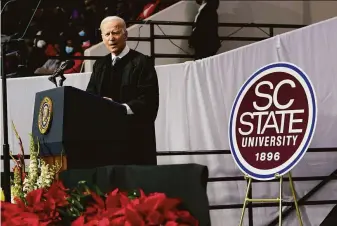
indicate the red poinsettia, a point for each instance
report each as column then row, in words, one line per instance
column 40, row 207
column 12, row 214
column 117, row 209
column 44, row 207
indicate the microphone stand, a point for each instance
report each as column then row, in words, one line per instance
column 5, row 146
column 52, row 78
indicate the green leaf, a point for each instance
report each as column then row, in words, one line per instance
column 98, row 191
column 78, row 205
column 133, row 194
column 62, row 212
column 69, row 212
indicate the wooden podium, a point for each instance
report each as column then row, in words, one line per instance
column 82, row 129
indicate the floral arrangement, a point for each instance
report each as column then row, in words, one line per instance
column 84, row 207
column 38, row 199
column 121, row 208
column 39, row 175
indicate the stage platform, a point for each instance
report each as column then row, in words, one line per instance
column 195, row 103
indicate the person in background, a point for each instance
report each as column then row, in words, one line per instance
column 84, row 37
column 73, row 48
column 149, row 9
column 121, row 9
column 55, row 22
column 137, row 7
column 205, row 38
column 128, row 77
column 37, row 57
column 92, row 15
column 50, row 65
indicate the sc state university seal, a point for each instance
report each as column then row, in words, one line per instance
column 45, row 115
column 272, row 121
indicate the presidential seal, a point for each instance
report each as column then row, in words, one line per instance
column 45, row 115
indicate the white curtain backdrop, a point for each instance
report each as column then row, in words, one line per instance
column 195, row 103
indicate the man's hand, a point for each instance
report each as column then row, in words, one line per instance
column 107, row 98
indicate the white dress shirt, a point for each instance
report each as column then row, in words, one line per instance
column 120, row 56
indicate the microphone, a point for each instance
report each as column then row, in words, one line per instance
column 65, row 65
column 60, row 70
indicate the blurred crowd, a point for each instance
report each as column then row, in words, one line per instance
column 61, row 28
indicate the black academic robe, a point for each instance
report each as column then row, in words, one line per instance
column 133, row 81
column 205, row 38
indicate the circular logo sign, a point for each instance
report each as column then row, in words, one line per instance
column 45, row 115
column 272, row 121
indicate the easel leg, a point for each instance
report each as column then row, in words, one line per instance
column 280, row 202
column 292, row 188
column 245, row 202
column 279, row 199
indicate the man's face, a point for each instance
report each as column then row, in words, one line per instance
column 114, row 37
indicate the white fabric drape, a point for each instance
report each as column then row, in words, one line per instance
column 195, row 103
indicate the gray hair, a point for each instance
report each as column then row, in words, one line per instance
column 114, row 18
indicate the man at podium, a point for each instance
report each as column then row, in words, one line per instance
column 128, row 77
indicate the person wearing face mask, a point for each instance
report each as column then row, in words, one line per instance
column 84, row 38
column 81, row 33
column 73, row 48
column 128, row 77
column 69, row 49
column 204, row 38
